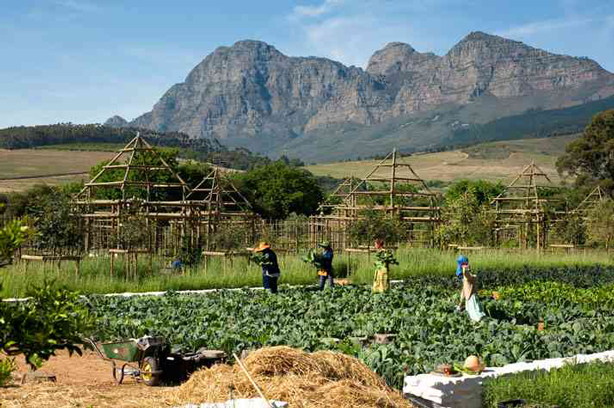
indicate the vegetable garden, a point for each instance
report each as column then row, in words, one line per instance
column 420, row 314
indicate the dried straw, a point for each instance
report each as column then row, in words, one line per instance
column 317, row 380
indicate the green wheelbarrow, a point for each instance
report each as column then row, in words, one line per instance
column 141, row 358
column 150, row 360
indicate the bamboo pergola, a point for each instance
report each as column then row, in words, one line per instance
column 524, row 206
column 134, row 173
column 215, row 201
column 392, row 187
column 594, row 198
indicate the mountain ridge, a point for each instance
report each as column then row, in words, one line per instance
column 252, row 95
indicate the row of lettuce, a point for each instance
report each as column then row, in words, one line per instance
column 420, row 314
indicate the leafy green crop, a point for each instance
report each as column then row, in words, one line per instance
column 385, row 258
column 420, row 312
column 313, row 258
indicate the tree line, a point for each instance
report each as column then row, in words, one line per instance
column 202, row 149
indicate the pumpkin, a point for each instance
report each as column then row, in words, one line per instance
column 472, row 363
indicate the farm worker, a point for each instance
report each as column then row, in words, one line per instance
column 461, row 262
column 469, row 298
column 270, row 267
column 326, row 260
column 381, row 281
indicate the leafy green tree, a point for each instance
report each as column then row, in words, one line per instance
column 483, row 191
column 571, row 229
column 372, row 225
column 12, row 236
column 600, row 226
column 278, row 190
column 52, row 319
column 22, row 203
column 466, row 221
column 591, row 158
column 59, row 229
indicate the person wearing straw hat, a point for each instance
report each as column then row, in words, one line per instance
column 468, row 297
column 326, row 261
column 270, row 267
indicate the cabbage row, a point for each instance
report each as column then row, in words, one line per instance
column 421, row 313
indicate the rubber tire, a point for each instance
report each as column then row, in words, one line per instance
column 151, row 364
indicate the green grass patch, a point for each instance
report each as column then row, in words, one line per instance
column 572, row 386
column 95, row 276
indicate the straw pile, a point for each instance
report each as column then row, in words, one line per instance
column 304, row 380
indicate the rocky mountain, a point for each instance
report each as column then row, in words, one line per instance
column 252, row 95
column 116, row 121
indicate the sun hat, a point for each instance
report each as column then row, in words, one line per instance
column 262, row 246
column 459, row 264
column 325, row 244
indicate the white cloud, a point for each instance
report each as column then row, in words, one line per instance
column 351, row 31
column 544, row 26
column 315, row 11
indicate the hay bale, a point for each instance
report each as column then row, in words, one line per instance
column 318, row 380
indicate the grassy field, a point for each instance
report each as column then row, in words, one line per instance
column 489, row 161
column 85, row 147
column 40, row 165
column 95, row 273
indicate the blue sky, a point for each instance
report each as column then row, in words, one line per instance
column 83, row 61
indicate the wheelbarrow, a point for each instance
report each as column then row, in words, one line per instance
column 151, row 361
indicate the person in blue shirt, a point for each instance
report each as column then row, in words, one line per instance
column 270, row 267
column 326, row 260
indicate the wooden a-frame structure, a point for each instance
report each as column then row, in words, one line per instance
column 133, row 173
column 215, row 201
column 392, row 187
column 134, row 188
column 594, row 198
column 523, row 206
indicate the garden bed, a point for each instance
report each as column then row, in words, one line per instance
column 421, row 313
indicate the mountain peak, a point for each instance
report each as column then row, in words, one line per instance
column 116, row 121
column 480, row 36
column 399, row 45
column 397, row 57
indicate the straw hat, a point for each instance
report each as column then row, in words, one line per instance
column 262, row 246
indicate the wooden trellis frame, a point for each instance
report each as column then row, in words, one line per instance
column 522, row 206
column 221, row 202
column 104, row 215
column 135, row 146
column 594, row 198
column 387, row 176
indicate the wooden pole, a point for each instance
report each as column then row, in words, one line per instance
column 249, row 377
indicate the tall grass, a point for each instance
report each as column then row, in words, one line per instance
column 95, row 276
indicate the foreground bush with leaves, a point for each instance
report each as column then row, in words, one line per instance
column 421, row 313
column 52, row 319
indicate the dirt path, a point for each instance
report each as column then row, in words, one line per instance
column 81, row 382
